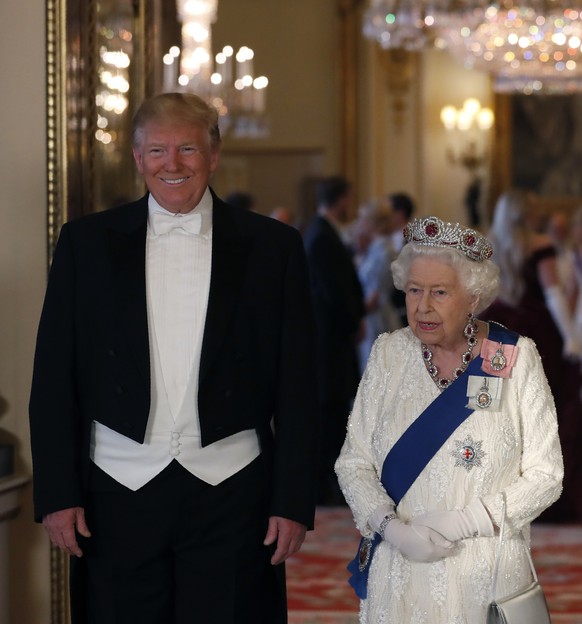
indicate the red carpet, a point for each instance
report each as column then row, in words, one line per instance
column 319, row 593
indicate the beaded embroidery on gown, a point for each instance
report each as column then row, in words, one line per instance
column 515, row 449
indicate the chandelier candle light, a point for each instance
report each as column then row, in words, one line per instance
column 467, row 130
column 468, row 127
column 227, row 81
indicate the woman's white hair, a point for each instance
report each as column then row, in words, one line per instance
column 479, row 279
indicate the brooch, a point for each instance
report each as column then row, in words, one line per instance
column 468, row 453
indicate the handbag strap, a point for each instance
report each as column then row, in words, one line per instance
column 498, row 553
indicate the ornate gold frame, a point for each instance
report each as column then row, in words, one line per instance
column 71, row 84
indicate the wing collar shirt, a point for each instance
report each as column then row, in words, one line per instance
column 178, row 268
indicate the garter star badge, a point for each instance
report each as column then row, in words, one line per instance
column 468, row 453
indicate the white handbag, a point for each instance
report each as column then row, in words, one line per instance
column 526, row 606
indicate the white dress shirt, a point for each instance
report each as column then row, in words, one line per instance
column 178, row 268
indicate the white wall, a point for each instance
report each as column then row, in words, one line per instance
column 296, row 46
column 22, row 275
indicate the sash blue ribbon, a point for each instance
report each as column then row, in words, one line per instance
column 417, row 446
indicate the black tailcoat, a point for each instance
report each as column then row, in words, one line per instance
column 257, row 366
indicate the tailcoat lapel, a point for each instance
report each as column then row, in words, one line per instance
column 230, row 251
column 127, row 245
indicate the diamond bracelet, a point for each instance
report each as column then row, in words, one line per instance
column 385, row 521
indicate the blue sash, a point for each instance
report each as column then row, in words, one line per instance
column 417, row 446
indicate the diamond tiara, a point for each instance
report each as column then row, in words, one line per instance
column 433, row 232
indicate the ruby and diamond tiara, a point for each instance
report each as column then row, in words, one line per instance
column 433, row 232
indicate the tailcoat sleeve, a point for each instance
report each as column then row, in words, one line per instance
column 54, row 412
column 296, row 423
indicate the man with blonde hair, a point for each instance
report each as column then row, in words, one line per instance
column 173, row 407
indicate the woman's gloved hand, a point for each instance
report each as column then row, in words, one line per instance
column 418, row 543
column 472, row 521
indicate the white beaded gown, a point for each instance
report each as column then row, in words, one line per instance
column 516, row 451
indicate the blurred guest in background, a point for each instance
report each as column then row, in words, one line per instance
column 283, row 214
column 577, row 254
column 241, row 199
column 339, row 310
column 531, row 301
column 374, row 255
column 402, row 210
column 559, row 231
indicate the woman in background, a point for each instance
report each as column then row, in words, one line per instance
column 577, row 254
column 531, row 301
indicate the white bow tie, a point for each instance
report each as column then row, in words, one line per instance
column 163, row 223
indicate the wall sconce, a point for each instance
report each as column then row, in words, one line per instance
column 468, row 129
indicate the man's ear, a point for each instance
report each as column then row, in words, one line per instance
column 214, row 159
column 138, row 157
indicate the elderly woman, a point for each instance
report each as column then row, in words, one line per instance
column 453, row 422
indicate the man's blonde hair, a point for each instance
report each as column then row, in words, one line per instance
column 183, row 108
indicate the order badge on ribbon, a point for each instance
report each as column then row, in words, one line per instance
column 484, row 393
column 498, row 358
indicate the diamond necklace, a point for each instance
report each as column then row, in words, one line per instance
column 470, row 332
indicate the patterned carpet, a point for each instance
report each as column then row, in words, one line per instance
column 319, row 592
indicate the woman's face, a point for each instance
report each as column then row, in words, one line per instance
column 437, row 303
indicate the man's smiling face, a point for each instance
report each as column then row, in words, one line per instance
column 176, row 162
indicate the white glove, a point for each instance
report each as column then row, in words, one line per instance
column 417, row 543
column 558, row 307
column 472, row 521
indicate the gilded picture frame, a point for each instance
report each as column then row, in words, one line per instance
column 102, row 59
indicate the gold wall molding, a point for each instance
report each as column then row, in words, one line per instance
column 399, row 67
column 73, row 169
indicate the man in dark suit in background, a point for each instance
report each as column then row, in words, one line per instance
column 339, row 312
column 403, row 208
column 173, row 406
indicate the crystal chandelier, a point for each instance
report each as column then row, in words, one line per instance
column 527, row 45
column 531, row 47
column 414, row 24
column 225, row 80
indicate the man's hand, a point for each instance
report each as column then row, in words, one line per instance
column 289, row 536
column 61, row 526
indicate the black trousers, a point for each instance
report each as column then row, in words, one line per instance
column 178, row 551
